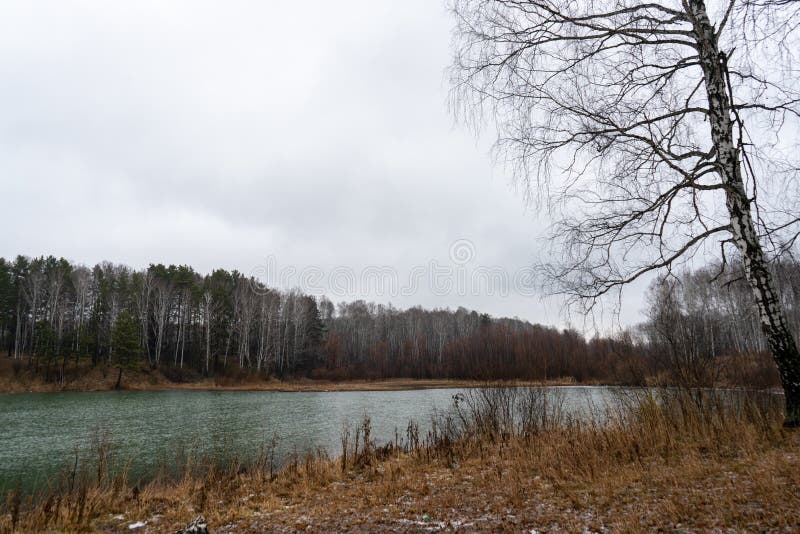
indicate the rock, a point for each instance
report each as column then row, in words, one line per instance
column 198, row 526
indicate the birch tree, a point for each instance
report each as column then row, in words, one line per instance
column 244, row 309
column 32, row 290
column 651, row 131
column 209, row 307
column 81, row 282
column 142, row 293
column 162, row 304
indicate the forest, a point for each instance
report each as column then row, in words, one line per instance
column 700, row 329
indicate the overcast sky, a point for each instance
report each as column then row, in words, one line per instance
column 260, row 136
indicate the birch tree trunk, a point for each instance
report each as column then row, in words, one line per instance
column 771, row 313
column 207, row 300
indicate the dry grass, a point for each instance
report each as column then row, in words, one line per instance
column 17, row 377
column 504, row 460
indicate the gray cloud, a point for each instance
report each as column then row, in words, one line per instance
column 217, row 134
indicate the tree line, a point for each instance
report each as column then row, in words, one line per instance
column 700, row 329
column 703, row 328
column 165, row 316
column 53, row 313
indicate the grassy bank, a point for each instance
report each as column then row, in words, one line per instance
column 503, row 460
column 88, row 377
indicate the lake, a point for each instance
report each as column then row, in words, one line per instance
column 41, row 432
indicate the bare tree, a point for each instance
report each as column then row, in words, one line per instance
column 81, row 281
column 651, row 131
column 683, row 338
column 209, row 309
column 162, row 303
column 244, row 311
column 141, row 301
column 32, row 291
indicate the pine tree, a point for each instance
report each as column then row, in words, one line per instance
column 6, row 305
column 315, row 332
column 125, row 339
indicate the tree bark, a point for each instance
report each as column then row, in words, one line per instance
column 773, row 319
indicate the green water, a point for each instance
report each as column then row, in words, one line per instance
column 41, row 433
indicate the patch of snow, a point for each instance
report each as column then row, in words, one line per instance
column 138, row 524
column 429, row 525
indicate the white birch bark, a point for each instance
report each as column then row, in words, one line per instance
column 743, row 230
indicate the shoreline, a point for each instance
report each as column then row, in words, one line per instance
column 392, row 384
column 85, row 377
column 290, row 386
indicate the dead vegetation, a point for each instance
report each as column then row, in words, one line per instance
column 499, row 460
